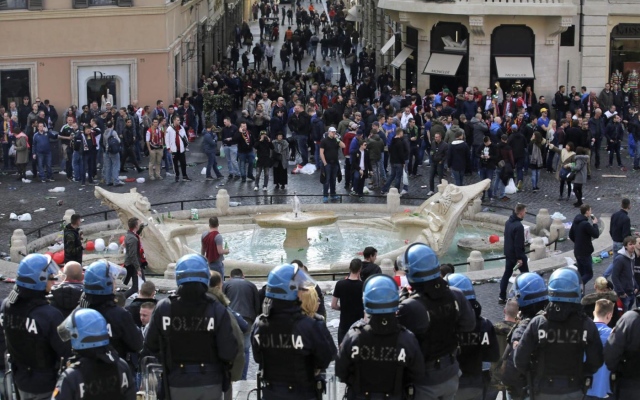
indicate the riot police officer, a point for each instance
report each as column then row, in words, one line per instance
column 530, row 291
column 560, row 347
column 66, row 296
column 289, row 346
column 98, row 373
column 476, row 347
column 99, row 283
column 622, row 356
column 192, row 332
column 29, row 324
column 373, row 350
column 435, row 313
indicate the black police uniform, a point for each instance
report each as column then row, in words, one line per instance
column 124, row 335
column 66, row 296
column 622, row 355
column 195, row 339
column 557, row 340
column 104, row 377
column 435, row 313
column 476, row 346
column 370, row 354
column 30, row 328
column 289, row 347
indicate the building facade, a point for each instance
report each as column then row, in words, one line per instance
column 74, row 52
column 543, row 43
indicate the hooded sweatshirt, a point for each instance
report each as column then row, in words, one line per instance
column 458, row 155
column 451, row 134
column 622, row 275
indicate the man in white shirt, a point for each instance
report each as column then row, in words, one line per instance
column 176, row 141
column 406, row 116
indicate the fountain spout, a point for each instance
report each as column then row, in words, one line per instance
column 296, row 206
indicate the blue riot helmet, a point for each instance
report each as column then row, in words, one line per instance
column 529, row 288
column 192, row 268
column 35, row 270
column 463, row 283
column 420, row 262
column 380, row 295
column 285, row 280
column 85, row 328
column 565, row 286
column 101, row 277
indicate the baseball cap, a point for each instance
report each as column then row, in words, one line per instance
column 332, row 129
column 353, row 125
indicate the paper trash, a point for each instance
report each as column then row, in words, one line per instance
column 140, row 180
column 558, row 215
column 25, row 217
column 58, row 189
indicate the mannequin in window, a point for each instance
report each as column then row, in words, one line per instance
column 616, row 77
column 633, row 83
column 499, row 93
column 107, row 98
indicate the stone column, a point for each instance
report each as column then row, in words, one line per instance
column 539, row 249
column 222, row 201
column 475, row 260
column 479, row 52
column 18, row 245
column 393, row 200
column 424, row 52
column 543, row 220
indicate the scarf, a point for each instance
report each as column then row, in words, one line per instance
column 246, row 137
column 140, row 249
column 155, row 136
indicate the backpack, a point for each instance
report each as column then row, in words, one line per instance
column 113, row 145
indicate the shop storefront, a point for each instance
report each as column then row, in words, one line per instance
column 17, row 80
column 448, row 63
column 624, row 57
column 112, row 81
column 512, row 56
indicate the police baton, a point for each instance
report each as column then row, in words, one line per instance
column 259, row 384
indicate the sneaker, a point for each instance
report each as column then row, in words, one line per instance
column 244, row 180
column 152, row 178
column 361, row 199
column 160, row 177
column 119, row 184
column 383, row 192
column 51, row 180
column 186, row 179
column 230, row 177
column 255, row 188
column 264, row 188
column 353, row 193
column 325, row 199
column 403, row 192
column 208, row 178
column 502, row 301
column 62, row 173
column 177, row 179
column 335, row 198
column 251, row 178
column 43, row 181
column 109, row 184
column 505, row 198
column 170, row 174
column 431, row 193
column 520, row 185
column 70, row 179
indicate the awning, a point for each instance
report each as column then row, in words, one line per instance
column 388, row 45
column 401, row 57
column 354, row 14
column 514, row 67
column 443, row 64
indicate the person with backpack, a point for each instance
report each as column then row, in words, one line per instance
column 111, row 159
column 536, row 159
column 564, row 343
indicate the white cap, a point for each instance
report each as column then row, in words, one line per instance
column 332, row 129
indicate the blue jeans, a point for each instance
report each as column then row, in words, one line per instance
column 487, row 173
column 458, row 177
column 395, row 177
column 217, row 266
column 331, row 170
column 111, row 168
column 585, row 268
column 78, row 167
column 520, row 168
column 44, row 165
column 247, row 350
column 498, row 186
column 383, row 172
column 475, row 156
column 168, row 161
column 245, row 164
column 628, row 302
column 212, row 164
column 231, row 154
column 535, row 175
column 303, row 147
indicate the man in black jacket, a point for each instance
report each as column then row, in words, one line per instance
column 620, row 226
column 440, row 149
column 583, row 230
column 397, row 155
column 73, row 240
column 299, row 124
column 514, row 243
column 614, row 134
column 129, row 138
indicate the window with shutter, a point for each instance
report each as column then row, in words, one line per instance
column 35, row 5
column 125, row 3
column 80, row 3
column 13, row 4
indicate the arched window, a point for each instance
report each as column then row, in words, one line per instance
column 448, row 64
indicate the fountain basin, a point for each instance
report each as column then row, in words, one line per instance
column 296, row 225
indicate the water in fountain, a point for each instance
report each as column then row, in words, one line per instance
column 296, row 206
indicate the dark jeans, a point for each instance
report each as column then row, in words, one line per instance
column 520, row 162
column 585, row 268
column 212, row 165
column 436, row 169
column 303, row 148
column 347, row 172
column 132, row 275
column 595, row 150
column 487, row 173
column 395, row 177
column 475, row 156
column 89, row 162
column 414, row 160
column 129, row 154
column 614, row 148
column 510, row 263
column 179, row 164
column 331, row 170
column 358, row 183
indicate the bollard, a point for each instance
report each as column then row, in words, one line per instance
column 393, row 200
column 222, row 201
column 475, row 260
column 539, row 249
column 18, row 245
column 557, row 230
column 543, row 220
column 170, row 273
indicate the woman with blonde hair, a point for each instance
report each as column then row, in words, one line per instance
column 567, row 156
column 309, row 302
column 604, row 290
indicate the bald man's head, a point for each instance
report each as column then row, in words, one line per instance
column 511, row 310
column 73, row 271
